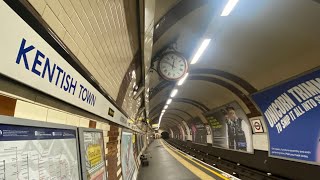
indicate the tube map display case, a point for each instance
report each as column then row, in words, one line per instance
column 38, row 150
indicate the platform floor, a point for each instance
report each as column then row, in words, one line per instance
column 167, row 163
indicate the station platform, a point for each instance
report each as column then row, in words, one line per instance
column 167, row 162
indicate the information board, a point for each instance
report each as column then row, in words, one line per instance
column 92, row 151
column 37, row 150
column 292, row 113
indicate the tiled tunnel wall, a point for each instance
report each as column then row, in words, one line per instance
column 101, row 36
column 95, row 32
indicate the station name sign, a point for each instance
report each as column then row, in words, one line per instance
column 26, row 57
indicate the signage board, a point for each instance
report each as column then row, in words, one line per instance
column 292, row 111
column 38, row 150
column 230, row 127
column 92, row 154
column 27, row 58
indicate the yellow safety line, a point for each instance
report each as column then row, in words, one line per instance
column 196, row 171
column 214, row 172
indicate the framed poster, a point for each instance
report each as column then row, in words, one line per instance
column 291, row 110
column 92, row 154
column 129, row 169
column 38, row 150
column 199, row 131
column 230, row 127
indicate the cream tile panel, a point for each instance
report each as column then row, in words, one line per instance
column 53, row 22
column 118, row 172
column 99, row 125
column 66, row 22
column 30, row 111
column 39, row 6
column 71, row 44
column 67, row 6
column 106, row 127
column 84, row 122
column 106, row 139
column 118, row 163
column 55, row 6
column 73, row 120
column 56, row 117
column 120, row 178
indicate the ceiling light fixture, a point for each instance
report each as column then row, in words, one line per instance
column 174, row 93
column 228, row 8
column 181, row 81
column 165, row 107
column 163, row 111
column 169, row 101
column 201, row 49
column 159, row 122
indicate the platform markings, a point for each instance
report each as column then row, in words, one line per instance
column 192, row 168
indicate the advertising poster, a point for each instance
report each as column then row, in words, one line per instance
column 182, row 134
column 231, row 128
column 208, row 130
column 292, row 111
column 28, row 152
column 129, row 169
column 92, row 151
column 199, row 131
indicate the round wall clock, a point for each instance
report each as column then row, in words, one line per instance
column 172, row 66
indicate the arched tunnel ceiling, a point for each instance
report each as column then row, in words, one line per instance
column 260, row 44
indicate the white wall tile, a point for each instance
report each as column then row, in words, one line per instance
column 84, row 122
column 56, row 116
column 73, row 120
column 28, row 110
column 70, row 43
column 55, row 6
column 118, row 172
column 39, row 5
column 53, row 22
column 66, row 22
column 67, row 6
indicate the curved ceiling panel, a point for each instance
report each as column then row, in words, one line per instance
column 265, row 42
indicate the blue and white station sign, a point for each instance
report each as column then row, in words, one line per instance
column 26, row 57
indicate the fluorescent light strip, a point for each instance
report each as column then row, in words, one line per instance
column 181, row 81
column 165, row 107
column 169, row 101
column 174, row 93
column 200, row 51
column 229, row 7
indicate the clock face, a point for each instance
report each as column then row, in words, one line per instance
column 172, row 66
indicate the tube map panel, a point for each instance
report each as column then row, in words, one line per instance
column 38, row 153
